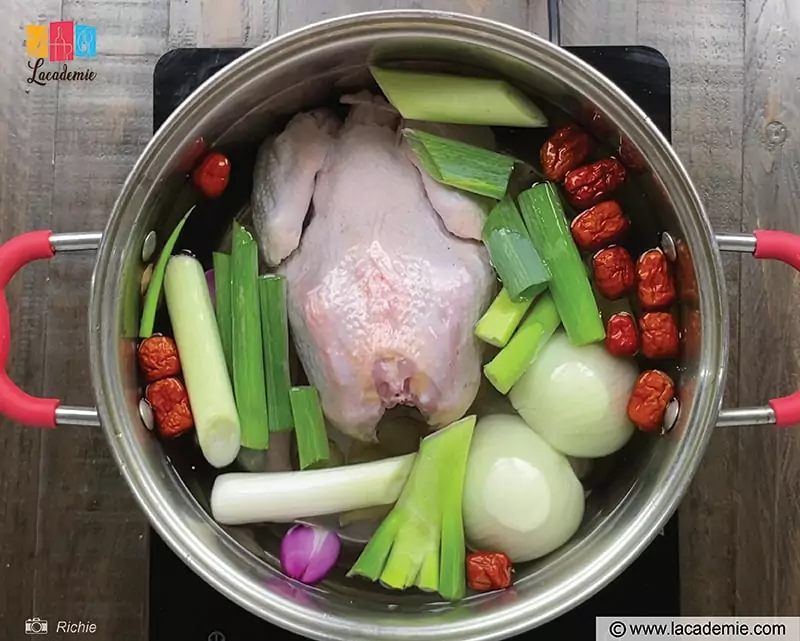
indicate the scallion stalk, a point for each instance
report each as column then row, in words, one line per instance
column 222, row 303
column 153, row 294
column 247, row 349
column 512, row 251
column 438, row 97
column 460, row 165
column 275, row 332
column 202, row 361
column 309, row 426
column 499, row 322
column 514, row 359
column 421, row 542
column 544, row 217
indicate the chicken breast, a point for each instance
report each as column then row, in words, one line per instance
column 382, row 297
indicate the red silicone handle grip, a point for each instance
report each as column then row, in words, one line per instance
column 785, row 247
column 14, row 403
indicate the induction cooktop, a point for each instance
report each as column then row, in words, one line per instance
column 182, row 606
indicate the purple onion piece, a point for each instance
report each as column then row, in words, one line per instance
column 211, row 282
column 308, row 553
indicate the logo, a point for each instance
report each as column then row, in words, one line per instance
column 59, row 42
column 35, row 626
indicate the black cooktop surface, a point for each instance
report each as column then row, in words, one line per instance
column 184, row 607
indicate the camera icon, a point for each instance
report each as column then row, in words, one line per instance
column 35, row 626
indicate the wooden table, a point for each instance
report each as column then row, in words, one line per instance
column 73, row 542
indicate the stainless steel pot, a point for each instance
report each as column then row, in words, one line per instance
column 242, row 103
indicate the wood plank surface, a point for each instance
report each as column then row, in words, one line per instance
column 703, row 42
column 768, row 483
column 90, row 546
column 27, row 126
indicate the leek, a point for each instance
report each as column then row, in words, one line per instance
column 248, row 360
column 153, row 295
column 498, row 323
column 460, row 165
column 275, row 331
column 202, row 360
column 279, row 497
column 570, row 286
column 421, row 542
column 512, row 251
column 514, row 359
column 222, row 304
column 309, row 422
column 438, row 97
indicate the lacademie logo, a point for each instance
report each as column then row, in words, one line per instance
column 59, row 42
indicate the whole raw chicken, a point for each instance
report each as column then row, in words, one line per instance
column 387, row 278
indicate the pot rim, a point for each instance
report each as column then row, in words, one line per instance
column 105, row 321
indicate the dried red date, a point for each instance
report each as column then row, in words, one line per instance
column 211, row 176
column 588, row 185
column 656, row 287
column 622, row 337
column 659, row 335
column 651, row 394
column 566, row 149
column 630, row 156
column 158, row 358
column 170, row 402
column 488, row 571
column 599, row 226
column 613, row 272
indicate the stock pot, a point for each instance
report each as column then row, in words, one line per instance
column 243, row 103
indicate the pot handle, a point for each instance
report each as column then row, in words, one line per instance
column 14, row 403
column 774, row 245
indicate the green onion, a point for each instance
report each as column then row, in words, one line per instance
column 438, row 97
column 222, row 304
column 460, row 165
column 572, row 292
column 498, row 323
column 275, row 331
column 512, row 251
column 151, row 298
column 514, row 359
column 247, row 349
column 309, row 426
column 421, row 542
column 202, row 361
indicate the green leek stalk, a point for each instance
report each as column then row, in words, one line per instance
column 222, row 304
column 543, row 214
column 514, row 359
column 208, row 383
column 313, row 448
column 499, row 322
column 460, row 165
column 153, row 294
column 438, row 97
column 275, row 332
column 421, row 542
column 247, row 349
column 512, row 251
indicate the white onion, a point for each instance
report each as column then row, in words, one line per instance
column 576, row 398
column 521, row 497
